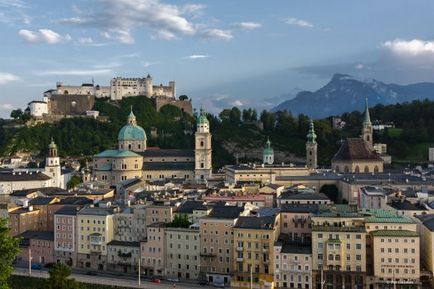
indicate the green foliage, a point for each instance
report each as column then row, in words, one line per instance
column 180, row 221
column 183, row 97
column 331, row 191
column 59, row 278
column 8, row 251
column 73, row 182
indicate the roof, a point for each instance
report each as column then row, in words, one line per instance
column 189, row 206
column 202, row 117
column 394, row 233
column 9, row 176
column 46, row 191
column 96, row 211
column 406, row 206
column 168, row 166
column 296, row 249
column 167, row 153
column 79, row 201
column 123, row 243
column 22, row 211
column 257, row 223
column 299, row 208
column 70, row 211
column 355, row 149
column 116, row 154
column 429, row 223
column 41, row 201
column 49, row 236
column 132, row 132
column 225, row 212
column 289, row 195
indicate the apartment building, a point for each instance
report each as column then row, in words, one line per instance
column 153, row 250
column 158, row 213
column 182, row 253
column 123, row 256
column 65, row 238
column 23, row 219
column 94, row 231
column 296, row 222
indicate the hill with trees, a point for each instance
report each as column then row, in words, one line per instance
column 236, row 132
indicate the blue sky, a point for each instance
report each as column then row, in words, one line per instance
column 221, row 53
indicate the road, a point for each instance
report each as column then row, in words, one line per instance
column 113, row 281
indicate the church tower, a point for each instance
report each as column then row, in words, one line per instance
column 202, row 152
column 52, row 166
column 311, row 147
column 367, row 127
column 268, row 155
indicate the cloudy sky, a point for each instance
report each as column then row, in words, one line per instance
column 221, row 53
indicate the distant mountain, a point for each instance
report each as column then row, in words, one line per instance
column 345, row 94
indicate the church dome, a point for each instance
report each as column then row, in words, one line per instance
column 132, row 131
column 268, row 150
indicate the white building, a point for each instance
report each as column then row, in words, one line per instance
column 38, row 108
column 121, row 87
column 431, row 154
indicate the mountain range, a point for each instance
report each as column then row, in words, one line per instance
column 344, row 93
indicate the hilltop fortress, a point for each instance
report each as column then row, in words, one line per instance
column 78, row 100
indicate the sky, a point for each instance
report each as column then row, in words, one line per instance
column 245, row 53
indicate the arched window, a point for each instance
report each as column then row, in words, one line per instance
column 376, row 169
column 357, row 169
column 367, row 137
column 337, row 169
column 366, row 169
column 346, row 169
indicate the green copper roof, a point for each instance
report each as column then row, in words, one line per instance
column 311, row 136
column 116, row 154
column 132, row 131
column 394, row 233
column 367, row 119
column 202, row 117
column 394, row 220
column 268, row 150
column 52, row 145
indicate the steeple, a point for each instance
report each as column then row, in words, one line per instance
column 268, row 155
column 52, row 149
column 367, row 119
column 311, row 136
column 131, row 117
column 203, row 150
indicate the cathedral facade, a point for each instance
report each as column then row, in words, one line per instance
column 133, row 159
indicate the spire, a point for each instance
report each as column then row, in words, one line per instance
column 52, row 144
column 202, row 119
column 311, row 136
column 268, row 143
column 132, row 117
column 367, row 119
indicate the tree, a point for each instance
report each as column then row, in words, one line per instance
column 73, row 182
column 331, row 191
column 8, row 250
column 183, row 97
column 16, row 113
column 180, row 221
column 59, row 278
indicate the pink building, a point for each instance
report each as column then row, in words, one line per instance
column 65, row 235
column 39, row 245
column 153, row 250
column 295, row 221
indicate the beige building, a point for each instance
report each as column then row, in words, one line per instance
column 158, row 213
column 295, row 221
column 216, row 244
column 396, row 258
column 121, row 87
column 182, row 253
column 254, row 238
column 153, row 250
column 427, row 245
column 94, row 232
column 265, row 174
column 194, row 210
column 338, row 248
column 23, row 219
column 123, row 256
column 292, row 265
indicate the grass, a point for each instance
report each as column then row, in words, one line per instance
column 23, row 282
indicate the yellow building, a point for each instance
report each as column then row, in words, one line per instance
column 94, row 231
column 338, row 247
column 254, row 238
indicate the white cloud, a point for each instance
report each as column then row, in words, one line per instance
column 74, row 72
column 298, row 22
column 148, row 64
column 217, row 34
column 248, row 25
column 43, row 36
column 196, row 56
column 85, row 40
column 117, row 19
column 27, row 19
column 410, row 47
column 6, row 78
column 359, row 66
column 237, row 102
column 6, row 106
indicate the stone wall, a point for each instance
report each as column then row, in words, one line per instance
column 70, row 104
column 184, row 105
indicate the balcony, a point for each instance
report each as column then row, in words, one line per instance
column 240, row 249
column 239, row 259
column 95, row 239
column 207, row 254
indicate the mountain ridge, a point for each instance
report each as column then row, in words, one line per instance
column 344, row 93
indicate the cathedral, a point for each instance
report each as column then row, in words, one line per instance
column 133, row 159
column 357, row 155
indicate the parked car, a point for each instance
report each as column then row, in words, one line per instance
column 173, row 279
column 36, row 266
column 49, row 265
column 203, row 282
column 91, row 273
column 156, row 280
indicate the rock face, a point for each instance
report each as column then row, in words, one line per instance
column 344, row 93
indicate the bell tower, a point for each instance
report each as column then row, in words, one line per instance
column 367, row 127
column 311, row 147
column 203, row 150
column 52, row 166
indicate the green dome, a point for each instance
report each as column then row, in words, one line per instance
column 202, row 117
column 52, row 145
column 268, row 150
column 131, row 132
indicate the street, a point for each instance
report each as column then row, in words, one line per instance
column 113, row 281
